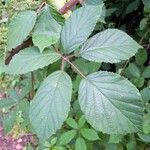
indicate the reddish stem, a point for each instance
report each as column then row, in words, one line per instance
column 68, row 6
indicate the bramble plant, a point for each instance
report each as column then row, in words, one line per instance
column 110, row 102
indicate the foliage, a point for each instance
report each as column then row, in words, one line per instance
column 77, row 82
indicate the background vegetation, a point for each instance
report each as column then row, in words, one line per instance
column 131, row 16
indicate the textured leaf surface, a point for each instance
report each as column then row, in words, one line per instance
column 93, row 2
column 111, row 45
column 144, row 137
column 31, row 59
column 111, row 103
column 20, row 27
column 79, row 26
column 51, row 104
column 46, row 31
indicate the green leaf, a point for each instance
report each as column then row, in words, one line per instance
column 46, row 31
column 7, row 102
column 89, row 134
column 111, row 146
column 111, row 45
column 79, row 26
column 81, row 121
column 115, row 138
column 93, row 2
column 143, row 23
column 146, row 73
column 147, row 108
column 2, row 64
column 66, row 137
column 134, row 70
column 141, row 57
column 138, row 82
column 58, row 148
column 146, row 124
column 145, row 95
column 131, row 145
column 80, row 144
column 53, row 141
column 56, row 15
column 9, row 121
column 133, row 6
column 51, row 104
column 20, row 27
column 72, row 123
column 111, row 103
column 144, row 137
column 85, row 66
column 146, row 3
column 31, row 59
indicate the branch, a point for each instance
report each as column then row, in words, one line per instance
column 32, row 93
column 68, row 6
column 25, row 44
column 73, row 66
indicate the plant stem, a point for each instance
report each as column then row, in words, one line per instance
column 62, row 64
column 68, row 6
column 74, row 55
column 126, row 63
column 78, row 71
column 33, row 81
